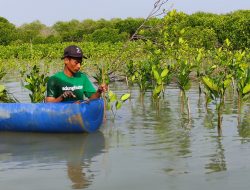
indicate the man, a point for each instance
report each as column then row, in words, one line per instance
column 71, row 84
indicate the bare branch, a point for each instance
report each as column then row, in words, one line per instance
column 154, row 12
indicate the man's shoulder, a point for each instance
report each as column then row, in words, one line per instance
column 81, row 75
column 53, row 79
column 58, row 74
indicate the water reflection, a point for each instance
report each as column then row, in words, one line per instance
column 244, row 126
column 77, row 150
column 164, row 133
column 209, row 118
column 217, row 160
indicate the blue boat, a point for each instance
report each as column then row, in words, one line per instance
column 52, row 117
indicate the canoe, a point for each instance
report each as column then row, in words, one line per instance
column 52, row 117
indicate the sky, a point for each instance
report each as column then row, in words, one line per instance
column 49, row 12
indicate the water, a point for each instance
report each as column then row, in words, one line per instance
column 144, row 148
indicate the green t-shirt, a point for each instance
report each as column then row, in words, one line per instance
column 79, row 84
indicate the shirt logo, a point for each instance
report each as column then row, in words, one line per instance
column 72, row 88
column 78, row 50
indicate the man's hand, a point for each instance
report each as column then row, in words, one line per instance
column 68, row 94
column 102, row 88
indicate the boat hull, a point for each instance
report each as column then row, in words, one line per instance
column 52, row 117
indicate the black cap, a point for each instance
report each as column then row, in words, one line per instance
column 73, row 51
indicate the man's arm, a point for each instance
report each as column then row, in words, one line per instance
column 66, row 94
column 52, row 99
column 95, row 95
column 102, row 88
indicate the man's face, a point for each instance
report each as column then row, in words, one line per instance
column 73, row 64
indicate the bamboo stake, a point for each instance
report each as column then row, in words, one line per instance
column 103, row 95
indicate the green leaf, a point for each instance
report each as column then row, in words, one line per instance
column 28, row 80
column 227, row 82
column 112, row 96
column 210, row 84
column 157, row 90
column 157, row 52
column 246, row 89
column 159, row 81
column 136, row 74
column 214, row 67
column 2, row 88
column 28, row 87
column 164, row 73
column 133, row 78
column 209, row 99
column 125, row 97
column 156, row 74
column 43, row 88
column 141, row 32
column 108, row 106
column 172, row 13
column 182, row 31
column 187, row 86
column 118, row 105
column 227, row 42
column 181, row 41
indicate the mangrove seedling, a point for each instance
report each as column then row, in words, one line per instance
column 139, row 72
column 161, row 78
column 36, row 83
column 215, row 90
column 4, row 95
column 114, row 103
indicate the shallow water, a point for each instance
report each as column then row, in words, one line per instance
column 144, row 147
